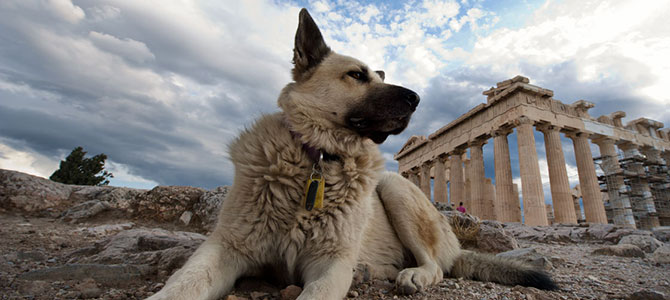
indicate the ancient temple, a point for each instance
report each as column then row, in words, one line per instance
column 633, row 190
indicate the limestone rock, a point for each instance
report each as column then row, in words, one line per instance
column 167, row 203
column 119, row 198
column 85, row 210
column 206, row 210
column 494, row 239
column 662, row 255
column 623, row 250
column 647, row 243
column 158, row 248
column 646, row 295
column 662, row 233
column 529, row 255
column 291, row 292
column 31, row 194
column 110, row 274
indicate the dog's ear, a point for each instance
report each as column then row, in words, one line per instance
column 309, row 49
column 381, row 74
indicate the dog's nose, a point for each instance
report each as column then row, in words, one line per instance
column 412, row 99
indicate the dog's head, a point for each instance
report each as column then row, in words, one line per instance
column 343, row 91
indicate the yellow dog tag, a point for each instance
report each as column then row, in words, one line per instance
column 314, row 192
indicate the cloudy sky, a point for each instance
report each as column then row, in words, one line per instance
column 162, row 87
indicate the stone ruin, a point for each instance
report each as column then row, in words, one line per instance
column 634, row 190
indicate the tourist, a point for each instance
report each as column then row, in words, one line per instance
column 461, row 208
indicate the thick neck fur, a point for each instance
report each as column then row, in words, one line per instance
column 319, row 132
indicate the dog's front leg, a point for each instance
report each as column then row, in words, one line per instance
column 208, row 274
column 329, row 280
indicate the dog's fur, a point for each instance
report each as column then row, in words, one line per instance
column 369, row 218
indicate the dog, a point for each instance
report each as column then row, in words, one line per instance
column 310, row 202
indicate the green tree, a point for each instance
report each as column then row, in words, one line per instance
column 76, row 169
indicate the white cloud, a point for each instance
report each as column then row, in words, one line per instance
column 129, row 49
column 26, row 161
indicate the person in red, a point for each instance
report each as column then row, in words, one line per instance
column 460, row 207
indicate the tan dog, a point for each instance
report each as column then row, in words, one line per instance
column 332, row 116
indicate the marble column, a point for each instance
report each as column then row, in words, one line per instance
column 653, row 155
column 666, row 157
column 425, row 178
column 467, row 170
column 516, row 216
column 561, row 197
column 531, row 182
column 414, row 176
column 644, row 207
column 507, row 203
column 456, row 180
column 489, row 209
column 440, row 182
column 592, row 199
column 619, row 202
column 477, row 183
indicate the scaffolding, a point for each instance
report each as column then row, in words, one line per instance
column 637, row 191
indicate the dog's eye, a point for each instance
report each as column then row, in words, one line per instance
column 356, row 75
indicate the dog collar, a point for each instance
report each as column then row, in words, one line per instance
column 314, row 154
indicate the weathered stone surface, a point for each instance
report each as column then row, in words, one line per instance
column 206, row 210
column 117, row 197
column 85, row 210
column 110, row 274
column 167, row 203
column 662, row 254
column 494, row 239
column 647, row 243
column 161, row 249
column 104, row 230
column 32, row 194
column 529, row 255
column 291, row 292
column 623, row 250
column 662, row 233
column 646, row 295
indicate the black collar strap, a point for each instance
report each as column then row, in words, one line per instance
column 314, row 154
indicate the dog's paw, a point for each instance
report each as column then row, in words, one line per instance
column 412, row 280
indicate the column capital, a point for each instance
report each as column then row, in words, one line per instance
column 428, row 163
column 523, row 120
column 602, row 140
column 478, row 142
column 547, row 127
column 576, row 135
column 502, row 131
column 457, row 151
column 443, row 158
column 627, row 145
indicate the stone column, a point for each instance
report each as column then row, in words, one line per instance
column 477, row 183
column 564, row 211
column 620, row 203
column 467, row 170
column 440, row 182
column 516, row 216
column 644, row 207
column 414, row 176
column 531, row 182
column 456, row 181
column 666, row 156
column 425, row 178
column 653, row 155
column 489, row 209
column 592, row 199
column 507, row 203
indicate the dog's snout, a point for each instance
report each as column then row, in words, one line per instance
column 412, row 99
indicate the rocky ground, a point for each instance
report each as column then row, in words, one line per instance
column 110, row 249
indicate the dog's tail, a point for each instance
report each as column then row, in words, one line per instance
column 508, row 271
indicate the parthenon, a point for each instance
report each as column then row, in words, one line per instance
column 633, row 189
